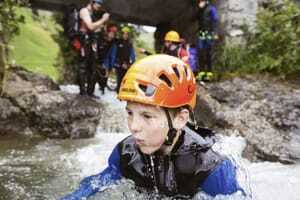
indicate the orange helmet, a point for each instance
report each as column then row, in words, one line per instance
column 160, row 80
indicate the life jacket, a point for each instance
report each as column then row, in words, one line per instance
column 180, row 173
column 103, row 48
column 178, row 52
column 123, row 51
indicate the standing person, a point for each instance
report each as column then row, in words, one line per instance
column 88, row 40
column 208, row 22
column 173, row 46
column 165, row 153
column 104, row 46
column 122, row 55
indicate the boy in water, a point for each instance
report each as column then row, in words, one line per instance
column 165, row 153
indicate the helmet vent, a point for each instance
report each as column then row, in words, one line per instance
column 175, row 69
column 165, row 79
column 148, row 90
column 143, row 87
column 186, row 71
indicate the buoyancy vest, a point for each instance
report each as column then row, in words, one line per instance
column 172, row 51
column 103, row 48
column 180, row 173
column 123, row 51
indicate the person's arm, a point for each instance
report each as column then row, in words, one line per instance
column 132, row 54
column 92, row 26
column 113, row 55
column 144, row 51
column 93, row 184
column 222, row 180
column 214, row 19
column 107, row 59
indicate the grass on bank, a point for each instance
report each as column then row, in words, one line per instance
column 34, row 48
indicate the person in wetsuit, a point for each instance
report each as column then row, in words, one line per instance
column 104, row 45
column 122, row 55
column 88, row 50
column 164, row 153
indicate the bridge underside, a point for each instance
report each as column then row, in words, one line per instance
column 53, row 5
column 177, row 15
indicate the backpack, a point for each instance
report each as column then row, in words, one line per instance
column 71, row 22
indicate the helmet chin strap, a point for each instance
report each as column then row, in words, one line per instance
column 172, row 131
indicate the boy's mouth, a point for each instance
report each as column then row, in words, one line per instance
column 139, row 142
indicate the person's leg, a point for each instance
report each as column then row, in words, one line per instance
column 208, row 53
column 193, row 59
column 201, row 55
column 91, row 75
column 119, row 77
column 81, row 76
column 102, row 78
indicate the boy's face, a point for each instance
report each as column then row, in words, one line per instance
column 125, row 36
column 148, row 125
column 168, row 43
column 110, row 35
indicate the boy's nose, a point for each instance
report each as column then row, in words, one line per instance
column 136, row 125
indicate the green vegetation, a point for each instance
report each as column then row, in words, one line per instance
column 35, row 48
column 145, row 40
column 273, row 48
column 9, row 26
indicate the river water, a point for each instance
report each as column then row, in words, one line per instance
column 35, row 168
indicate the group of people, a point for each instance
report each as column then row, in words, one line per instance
column 166, row 153
column 199, row 54
column 100, row 51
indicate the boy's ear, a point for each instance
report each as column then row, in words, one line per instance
column 181, row 118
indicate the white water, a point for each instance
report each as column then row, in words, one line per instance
column 48, row 169
column 265, row 180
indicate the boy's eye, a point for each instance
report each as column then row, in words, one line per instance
column 147, row 116
column 129, row 113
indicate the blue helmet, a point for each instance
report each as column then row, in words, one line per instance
column 100, row 2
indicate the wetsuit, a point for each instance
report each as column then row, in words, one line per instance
column 177, row 51
column 103, row 48
column 191, row 166
column 88, row 59
column 122, row 54
column 208, row 19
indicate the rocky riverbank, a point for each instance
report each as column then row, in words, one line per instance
column 33, row 104
column 264, row 111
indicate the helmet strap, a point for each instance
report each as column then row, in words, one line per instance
column 172, row 131
column 194, row 120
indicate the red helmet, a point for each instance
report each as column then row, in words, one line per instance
column 112, row 28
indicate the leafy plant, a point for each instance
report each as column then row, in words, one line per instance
column 274, row 47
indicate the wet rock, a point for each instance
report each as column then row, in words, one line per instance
column 265, row 112
column 9, row 115
column 205, row 110
column 36, row 105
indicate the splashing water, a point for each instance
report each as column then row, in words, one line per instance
column 36, row 168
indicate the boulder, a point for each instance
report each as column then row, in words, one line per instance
column 265, row 112
column 34, row 104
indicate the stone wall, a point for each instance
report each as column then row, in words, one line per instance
column 234, row 14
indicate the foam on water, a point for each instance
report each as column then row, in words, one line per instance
column 262, row 180
column 49, row 169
